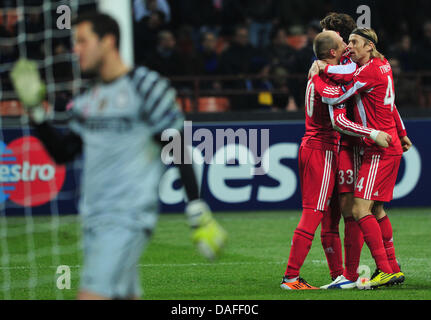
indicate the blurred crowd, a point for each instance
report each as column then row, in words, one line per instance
column 261, row 49
column 273, row 39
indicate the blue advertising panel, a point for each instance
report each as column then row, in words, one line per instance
column 235, row 187
column 241, row 166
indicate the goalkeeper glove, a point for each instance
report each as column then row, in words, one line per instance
column 207, row 234
column 29, row 88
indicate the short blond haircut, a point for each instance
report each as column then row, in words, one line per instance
column 323, row 43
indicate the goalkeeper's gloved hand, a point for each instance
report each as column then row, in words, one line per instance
column 207, row 234
column 29, row 87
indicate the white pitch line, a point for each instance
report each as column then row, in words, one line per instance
column 156, row 265
column 214, row 264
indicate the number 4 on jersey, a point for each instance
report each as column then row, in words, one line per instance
column 360, row 184
column 390, row 95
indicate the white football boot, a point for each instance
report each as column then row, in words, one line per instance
column 340, row 283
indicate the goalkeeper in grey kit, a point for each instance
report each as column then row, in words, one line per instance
column 117, row 125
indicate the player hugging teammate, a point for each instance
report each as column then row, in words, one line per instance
column 367, row 162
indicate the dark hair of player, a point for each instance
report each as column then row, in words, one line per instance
column 322, row 45
column 102, row 25
column 339, row 22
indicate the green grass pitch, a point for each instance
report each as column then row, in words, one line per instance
column 250, row 268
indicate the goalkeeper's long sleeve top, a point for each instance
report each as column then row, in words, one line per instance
column 65, row 147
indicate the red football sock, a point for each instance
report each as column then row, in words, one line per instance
column 302, row 240
column 388, row 242
column 331, row 242
column 373, row 238
column 353, row 242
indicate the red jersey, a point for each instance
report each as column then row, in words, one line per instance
column 373, row 89
column 322, row 119
column 343, row 74
column 318, row 124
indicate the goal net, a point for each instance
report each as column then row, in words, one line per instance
column 39, row 230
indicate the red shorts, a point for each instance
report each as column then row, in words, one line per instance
column 349, row 163
column 377, row 177
column 317, row 169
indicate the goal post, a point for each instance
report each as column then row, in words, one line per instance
column 122, row 12
column 39, row 232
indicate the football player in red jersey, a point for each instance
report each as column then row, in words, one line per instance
column 349, row 162
column 372, row 86
column 318, row 160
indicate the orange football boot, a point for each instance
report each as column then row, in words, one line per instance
column 299, row 284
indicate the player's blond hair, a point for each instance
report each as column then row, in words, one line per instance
column 372, row 35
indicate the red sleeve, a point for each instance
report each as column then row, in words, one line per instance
column 401, row 129
column 341, row 73
column 335, row 95
column 342, row 124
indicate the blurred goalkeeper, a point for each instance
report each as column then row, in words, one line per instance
column 117, row 125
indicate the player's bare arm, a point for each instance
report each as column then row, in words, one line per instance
column 314, row 70
column 322, row 64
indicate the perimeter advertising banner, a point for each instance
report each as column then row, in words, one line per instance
column 273, row 183
column 240, row 166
